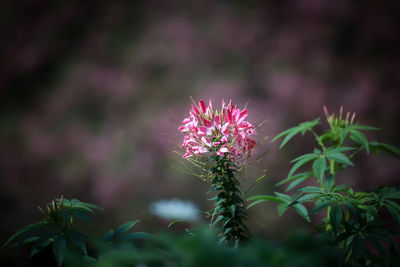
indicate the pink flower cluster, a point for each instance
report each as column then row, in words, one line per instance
column 223, row 132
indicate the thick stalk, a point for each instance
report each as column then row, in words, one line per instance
column 229, row 205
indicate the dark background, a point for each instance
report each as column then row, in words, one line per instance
column 86, row 88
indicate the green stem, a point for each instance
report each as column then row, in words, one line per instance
column 229, row 205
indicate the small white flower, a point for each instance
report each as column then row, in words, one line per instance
column 175, row 209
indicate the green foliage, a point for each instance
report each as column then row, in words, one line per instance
column 56, row 228
column 353, row 219
column 201, row 248
column 229, row 212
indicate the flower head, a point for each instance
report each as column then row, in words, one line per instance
column 223, row 132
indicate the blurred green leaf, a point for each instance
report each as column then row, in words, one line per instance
column 319, row 167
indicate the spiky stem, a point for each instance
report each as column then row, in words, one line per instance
column 229, row 205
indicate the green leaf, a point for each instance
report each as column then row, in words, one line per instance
column 360, row 138
column 59, row 248
column 340, row 188
column 80, row 215
column 297, row 182
column 125, row 227
column 310, row 189
column 328, row 182
column 173, row 223
column 262, row 198
column 394, row 212
column 295, row 177
column 365, row 127
column 339, row 149
column 335, row 217
column 23, row 230
column 319, row 167
column 357, row 248
column 284, row 133
column 306, row 197
column 282, row 208
column 76, row 238
column 342, row 134
column 305, row 158
column 110, row 235
column 284, row 197
column 302, row 211
column 339, row 157
column 136, row 235
column 319, row 206
column 290, row 136
column 376, row 147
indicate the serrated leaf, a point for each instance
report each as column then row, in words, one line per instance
column 335, row 217
column 301, row 162
column 339, row 157
column 125, row 227
column 319, row 167
column 360, row 138
column 59, row 248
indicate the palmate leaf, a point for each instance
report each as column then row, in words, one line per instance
column 290, row 133
column 301, row 161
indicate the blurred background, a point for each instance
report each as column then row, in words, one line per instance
column 89, row 91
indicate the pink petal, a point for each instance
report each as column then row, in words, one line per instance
column 202, row 106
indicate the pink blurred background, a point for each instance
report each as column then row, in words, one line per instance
column 87, row 89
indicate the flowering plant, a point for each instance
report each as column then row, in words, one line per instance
column 225, row 137
column 223, row 132
column 354, row 220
